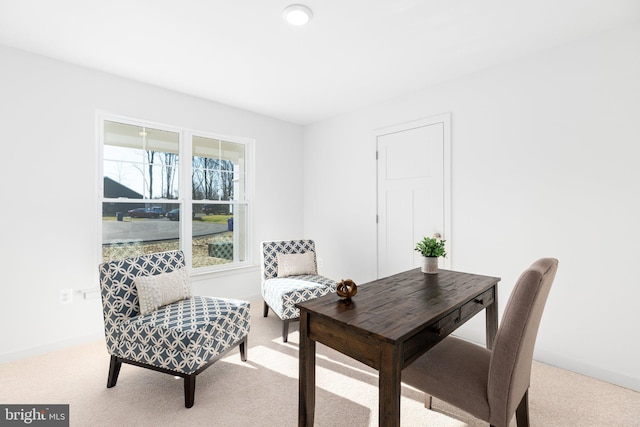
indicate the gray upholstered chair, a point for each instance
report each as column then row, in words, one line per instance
column 144, row 328
column 490, row 384
column 289, row 276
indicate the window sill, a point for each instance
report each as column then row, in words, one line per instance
column 230, row 271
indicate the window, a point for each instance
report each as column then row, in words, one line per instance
column 154, row 200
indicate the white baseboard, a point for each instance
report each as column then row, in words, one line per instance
column 596, row 372
column 39, row 350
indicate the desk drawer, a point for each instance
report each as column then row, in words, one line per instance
column 447, row 324
column 479, row 303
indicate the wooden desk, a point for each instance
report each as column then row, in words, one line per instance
column 389, row 324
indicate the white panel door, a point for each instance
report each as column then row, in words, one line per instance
column 413, row 199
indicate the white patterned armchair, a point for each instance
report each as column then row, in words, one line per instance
column 289, row 276
column 179, row 338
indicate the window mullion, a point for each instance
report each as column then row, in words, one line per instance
column 185, row 192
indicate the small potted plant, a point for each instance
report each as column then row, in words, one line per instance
column 431, row 249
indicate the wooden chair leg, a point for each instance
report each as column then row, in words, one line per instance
column 285, row 330
column 265, row 310
column 243, row 350
column 428, row 400
column 189, row 390
column 522, row 412
column 114, row 371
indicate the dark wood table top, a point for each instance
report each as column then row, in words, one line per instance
column 394, row 308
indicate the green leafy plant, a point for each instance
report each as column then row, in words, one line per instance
column 431, row 247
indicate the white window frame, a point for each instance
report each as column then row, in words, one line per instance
column 185, row 198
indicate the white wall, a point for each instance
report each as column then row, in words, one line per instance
column 545, row 154
column 48, row 219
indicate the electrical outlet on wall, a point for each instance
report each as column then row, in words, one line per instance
column 66, row 296
column 320, row 262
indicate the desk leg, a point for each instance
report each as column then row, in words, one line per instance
column 492, row 319
column 306, row 375
column 389, row 385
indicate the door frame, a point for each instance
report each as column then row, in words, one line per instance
column 445, row 119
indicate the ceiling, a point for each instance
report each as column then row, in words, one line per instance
column 353, row 52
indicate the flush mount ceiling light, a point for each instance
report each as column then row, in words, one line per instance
column 297, row 14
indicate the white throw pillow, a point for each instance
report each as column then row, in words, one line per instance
column 162, row 289
column 296, row 264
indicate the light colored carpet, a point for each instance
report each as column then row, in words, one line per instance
column 264, row 390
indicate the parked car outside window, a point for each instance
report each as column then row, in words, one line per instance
column 159, row 210
column 143, row 213
column 174, row 214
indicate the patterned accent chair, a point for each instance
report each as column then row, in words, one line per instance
column 182, row 338
column 281, row 294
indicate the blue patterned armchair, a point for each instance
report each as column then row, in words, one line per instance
column 289, row 276
column 181, row 338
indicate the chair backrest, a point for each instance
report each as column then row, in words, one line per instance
column 271, row 249
column 512, row 355
column 118, row 290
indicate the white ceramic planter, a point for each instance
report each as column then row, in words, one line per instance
column 430, row 265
